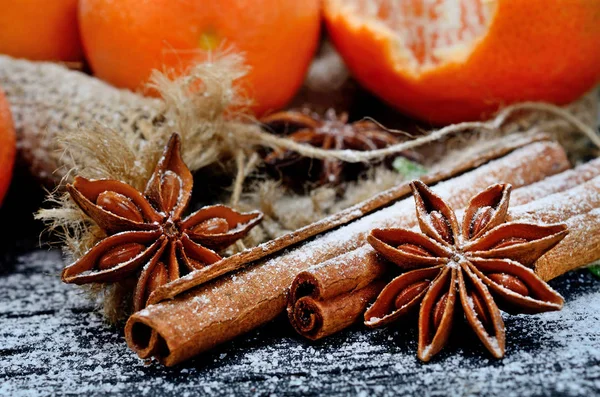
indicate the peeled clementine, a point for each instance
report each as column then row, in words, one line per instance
column 124, row 40
column 7, row 146
column 40, row 29
column 447, row 61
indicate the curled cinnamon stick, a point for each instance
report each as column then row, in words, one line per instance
column 333, row 295
column 581, row 247
column 332, row 284
column 202, row 317
column 556, row 183
column 579, row 208
column 316, row 318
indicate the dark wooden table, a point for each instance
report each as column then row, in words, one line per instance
column 53, row 341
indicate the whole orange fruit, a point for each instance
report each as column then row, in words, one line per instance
column 447, row 61
column 7, row 146
column 40, row 29
column 124, row 40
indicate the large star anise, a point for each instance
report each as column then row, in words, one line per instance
column 484, row 262
column 147, row 231
column 327, row 132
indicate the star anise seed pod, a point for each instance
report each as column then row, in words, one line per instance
column 146, row 232
column 483, row 263
column 328, row 132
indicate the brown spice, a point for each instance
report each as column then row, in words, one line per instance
column 555, row 262
column 328, row 132
column 189, row 318
column 469, row 264
column 147, row 232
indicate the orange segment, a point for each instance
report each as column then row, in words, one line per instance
column 423, row 35
column 453, row 60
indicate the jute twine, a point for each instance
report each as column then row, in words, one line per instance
column 353, row 156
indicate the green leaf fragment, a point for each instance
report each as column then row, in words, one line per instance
column 595, row 269
column 408, row 169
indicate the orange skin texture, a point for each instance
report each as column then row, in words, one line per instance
column 125, row 40
column 7, row 146
column 534, row 50
column 41, row 30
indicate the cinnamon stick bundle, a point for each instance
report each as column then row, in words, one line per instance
column 334, row 294
column 207, row 315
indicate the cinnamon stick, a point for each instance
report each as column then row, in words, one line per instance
column 200, row 318
column 334, row 283
column 333, row 295
column 580, row 248
column 556, row 183
column 579, row 208
column 316, row 318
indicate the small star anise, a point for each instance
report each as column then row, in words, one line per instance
column 328, row 132
column 484, row 262
column 147, row 232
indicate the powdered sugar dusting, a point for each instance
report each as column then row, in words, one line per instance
column 557, row 183
column 53, row 342
column 561, row 206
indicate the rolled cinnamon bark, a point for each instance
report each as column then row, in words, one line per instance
column 556, row 183
column 207, row 315
column 316, row 318
column 581, row 247
column 334, row 283
column 333, row 295
column 579, row 208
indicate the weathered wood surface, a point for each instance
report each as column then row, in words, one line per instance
column 52, row 341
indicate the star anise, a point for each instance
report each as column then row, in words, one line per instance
column 485, row 262
column 146, row 231
column 327, row 132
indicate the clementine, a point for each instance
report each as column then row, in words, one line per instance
column 40, row 30
column 7, row 146
column 447, row 61
column 124, row 40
